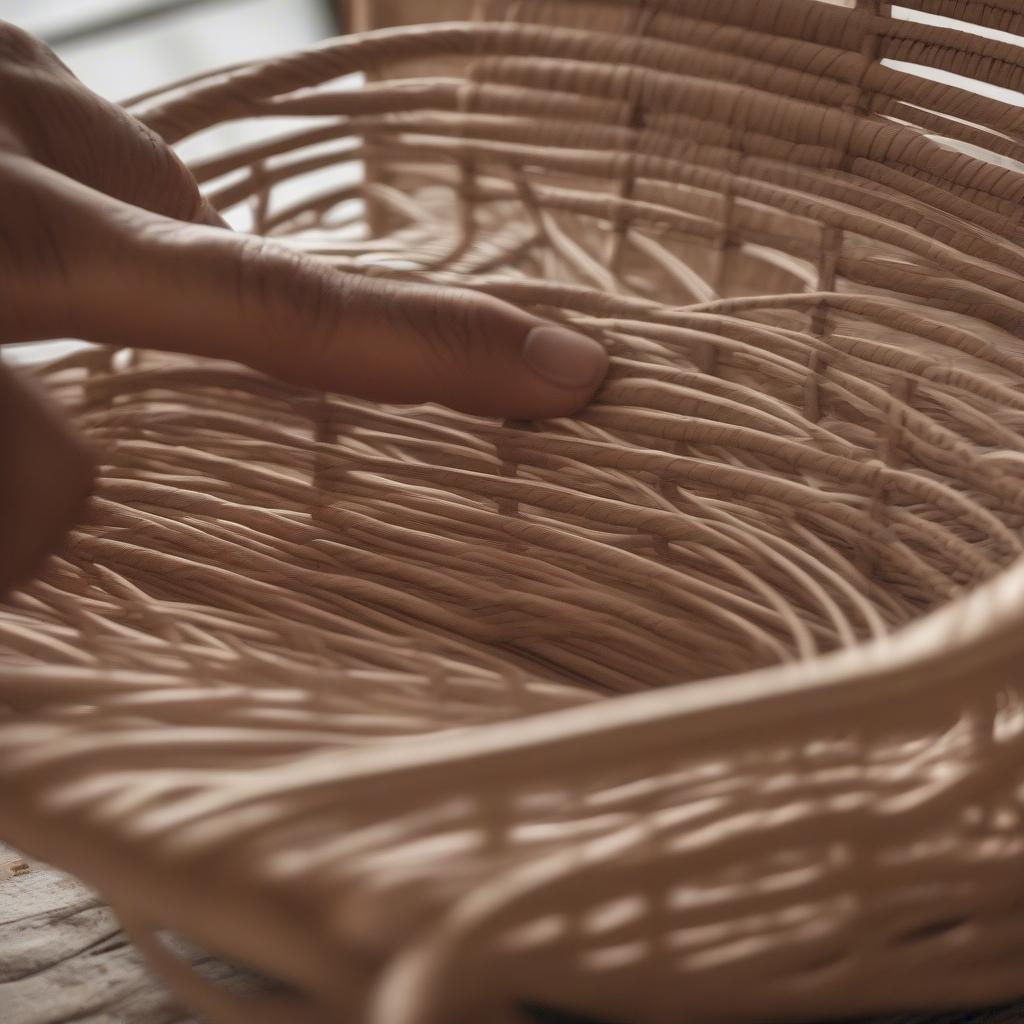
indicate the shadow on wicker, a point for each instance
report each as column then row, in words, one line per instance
column 325, row 686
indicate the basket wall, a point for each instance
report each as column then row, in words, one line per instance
column 704, row 705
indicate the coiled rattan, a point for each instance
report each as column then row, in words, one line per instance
column 327, row 687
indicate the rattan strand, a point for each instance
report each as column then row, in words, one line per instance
column 325, row 686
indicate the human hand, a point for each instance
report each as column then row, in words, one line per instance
column 104, row 235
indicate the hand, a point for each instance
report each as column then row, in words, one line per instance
column 104, row 235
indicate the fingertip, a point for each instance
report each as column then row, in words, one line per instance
column 541, row 370
column 561, row 372
column 565, row 358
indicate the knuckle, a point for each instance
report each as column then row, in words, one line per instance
column 19, row 46
column 450, row 323
column 253, row 279
column 285, row 291
column 46, row 112
column 159, row 179
column 23, row 54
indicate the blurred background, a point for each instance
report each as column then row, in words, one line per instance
column 159, row 41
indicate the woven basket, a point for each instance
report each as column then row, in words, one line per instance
column 326, row 687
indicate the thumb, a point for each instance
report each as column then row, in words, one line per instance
column 190, row 288
column 46, row 474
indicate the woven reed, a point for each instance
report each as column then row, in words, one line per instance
column 324, row 686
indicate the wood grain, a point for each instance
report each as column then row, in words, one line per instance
column 64, row 960
column 63, row 957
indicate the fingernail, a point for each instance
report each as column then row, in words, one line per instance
column 563, row 357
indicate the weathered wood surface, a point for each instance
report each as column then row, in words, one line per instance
column 64, row 960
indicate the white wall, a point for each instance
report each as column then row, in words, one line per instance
column 121, row 63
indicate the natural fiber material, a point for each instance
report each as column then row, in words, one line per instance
column 703, row 706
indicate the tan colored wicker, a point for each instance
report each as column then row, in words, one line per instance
column 705, row 706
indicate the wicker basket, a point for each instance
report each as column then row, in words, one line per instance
column 325, row 686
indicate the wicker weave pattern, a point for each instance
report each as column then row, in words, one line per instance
column 324, row 685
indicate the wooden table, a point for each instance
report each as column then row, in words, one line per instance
column 63, row 960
